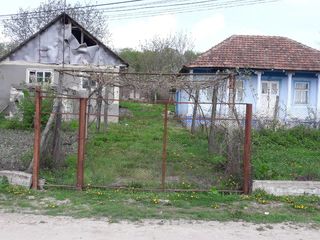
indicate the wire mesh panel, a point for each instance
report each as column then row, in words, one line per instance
column 151, row 146
column 59, row 139
column 199, row 141
column 105, row 140
column 126, row 153
column 206, row 150
column 286, row 149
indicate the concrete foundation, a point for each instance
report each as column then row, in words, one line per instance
column 280, row 188
column 17, row 178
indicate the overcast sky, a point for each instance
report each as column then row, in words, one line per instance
column 296, row 19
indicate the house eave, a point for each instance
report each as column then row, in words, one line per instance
column 189, row 67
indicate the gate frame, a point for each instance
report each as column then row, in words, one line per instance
column 247, row 168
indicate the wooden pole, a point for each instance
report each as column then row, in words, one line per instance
column 247, row 181
column 81, row 142
column 164, row 146
column 37, row 139
column 195, row 111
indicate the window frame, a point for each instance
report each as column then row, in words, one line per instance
column 36, row 71
column 90, row 81
column 307, row 90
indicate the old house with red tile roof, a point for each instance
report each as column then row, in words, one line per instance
column 285, row 74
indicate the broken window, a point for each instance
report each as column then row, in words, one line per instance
column 39, row 76
column 82, row 37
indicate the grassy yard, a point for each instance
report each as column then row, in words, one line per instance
column 130, row 154
column 291, row 154
column 118, row 205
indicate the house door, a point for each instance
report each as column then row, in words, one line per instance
column 269, row 94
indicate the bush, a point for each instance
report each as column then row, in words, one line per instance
column 27, row 110
column 13, row 123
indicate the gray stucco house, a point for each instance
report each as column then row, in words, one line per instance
column 284, row 80
column 63, row 41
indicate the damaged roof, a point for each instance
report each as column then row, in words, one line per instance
column 80, row 47
column 259, row 52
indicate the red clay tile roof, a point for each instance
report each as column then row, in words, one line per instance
column 260, row 52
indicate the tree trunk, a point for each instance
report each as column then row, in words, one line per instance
column 45, row 133
column 106, row 108
column 88, row 107
column 56, row 149
column 155, row 97
column 99, row 107
column 195, row 110
column 232, row 136
column 275, row 114
column 211, row 138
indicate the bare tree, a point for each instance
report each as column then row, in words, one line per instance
column 28, row 21
column 166, row 54
column 5, row 47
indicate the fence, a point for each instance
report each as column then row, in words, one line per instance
column 151, row 147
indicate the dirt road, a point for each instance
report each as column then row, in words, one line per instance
column 26, row 227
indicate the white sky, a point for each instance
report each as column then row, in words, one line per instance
column 296, row 19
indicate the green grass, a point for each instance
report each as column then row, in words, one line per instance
column 132, row 205
column 291, row 154
column 130, row 154
column 11, row 124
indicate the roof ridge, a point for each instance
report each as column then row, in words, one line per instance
column 259, row 51
column 275, row 36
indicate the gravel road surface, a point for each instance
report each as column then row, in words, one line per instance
column 29, row 227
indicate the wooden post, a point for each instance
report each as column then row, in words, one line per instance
column 247, row 181
column 164, row 146
column 195, row 111
column 37, row 139
column 81, row 142
column 212, row 133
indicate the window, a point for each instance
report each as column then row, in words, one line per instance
column 239, row 91
column 274, row 88
column 301, row 93
column 86, row 83
column 264, row 89
column 39, row 76
column 270, row 88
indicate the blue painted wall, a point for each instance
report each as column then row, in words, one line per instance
column 295, row 111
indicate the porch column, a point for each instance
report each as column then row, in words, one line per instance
column 289, row 93
column 258, row 91
column 318, row 97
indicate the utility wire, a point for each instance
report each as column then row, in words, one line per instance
column 142, row 14
column 138, row 10
column 79, row 7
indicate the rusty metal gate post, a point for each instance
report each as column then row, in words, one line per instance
column 164, row 146
column 247, row 181
column 37, row 139
column 81, row 142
